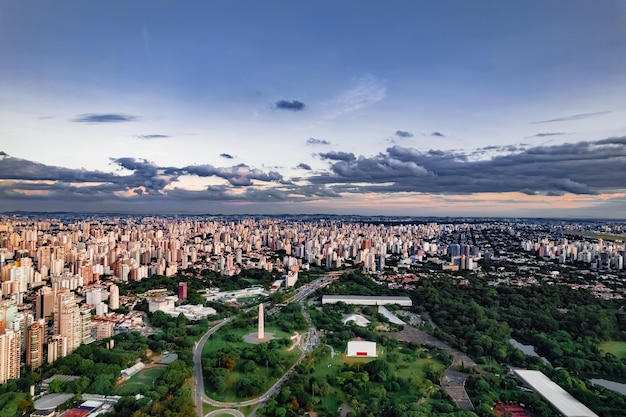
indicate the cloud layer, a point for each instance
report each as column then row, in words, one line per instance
column 577, row 168
column 584, row 168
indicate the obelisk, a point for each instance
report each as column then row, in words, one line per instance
column 261, row 334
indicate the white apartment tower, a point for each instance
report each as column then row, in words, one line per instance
column 10, row 347
column 114, row 297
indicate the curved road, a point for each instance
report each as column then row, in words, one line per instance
column 226, row 411
column 312, row 339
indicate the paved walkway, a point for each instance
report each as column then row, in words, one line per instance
column 452, row 381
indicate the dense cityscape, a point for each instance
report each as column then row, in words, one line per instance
column 67, row 279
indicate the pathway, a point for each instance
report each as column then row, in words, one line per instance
column 452, row 381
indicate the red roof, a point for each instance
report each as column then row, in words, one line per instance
column 77, row 412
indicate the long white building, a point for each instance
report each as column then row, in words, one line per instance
column 364, row 300
column 560, row 399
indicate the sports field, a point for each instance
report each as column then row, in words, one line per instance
column 143, row 378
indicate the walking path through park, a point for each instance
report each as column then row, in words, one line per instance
column 452, row 381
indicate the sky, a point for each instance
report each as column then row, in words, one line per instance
column 411, row 108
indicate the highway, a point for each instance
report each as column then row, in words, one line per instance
column 307, row 344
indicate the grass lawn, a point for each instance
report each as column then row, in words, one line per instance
column 143, row 378
column 218, row 341
column 410, row 365
column 617, row 348
column 404, row 363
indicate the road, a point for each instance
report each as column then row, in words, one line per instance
column 199, row 395
column 307, row 344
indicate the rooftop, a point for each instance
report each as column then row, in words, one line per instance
column 554, row 394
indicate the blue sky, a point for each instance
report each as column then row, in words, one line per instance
column 422, row 108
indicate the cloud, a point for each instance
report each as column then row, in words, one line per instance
column 2, row 153
column 403, row 134
column 337, row 156
column 144, row 175
column 365, row 91
column 545, row 134
column 154, row 136
column 227, row 156
column 438, row 134
column 238, row 175
column 591, row 170
column 547, row 170
column 104, row 118
column 293, row 105
column 573, row 117
column 313, row 141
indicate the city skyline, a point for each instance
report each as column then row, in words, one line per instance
column 447, row 109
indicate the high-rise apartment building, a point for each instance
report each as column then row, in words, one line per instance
column 85, row 325
column 10, row 346
column 34, row 344
column 44, row 303
column 114, row 297
column 102, row 330
column 57, row 347
column 67, row 319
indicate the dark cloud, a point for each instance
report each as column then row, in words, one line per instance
column 566, row 168
column 338, row 156
column 2, row 153
column 438, row 134
column 224, row 193
column 403, row 134
column 573, row 117
column 19, row 169
column 313, row 141
column 104, row 118
column 293, row 105
column 227, row 156
column 583, row 168
column 545, row 134
column 144, row 175
column 155, row 136
column 238, row 175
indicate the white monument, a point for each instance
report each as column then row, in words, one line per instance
column 261, row 334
